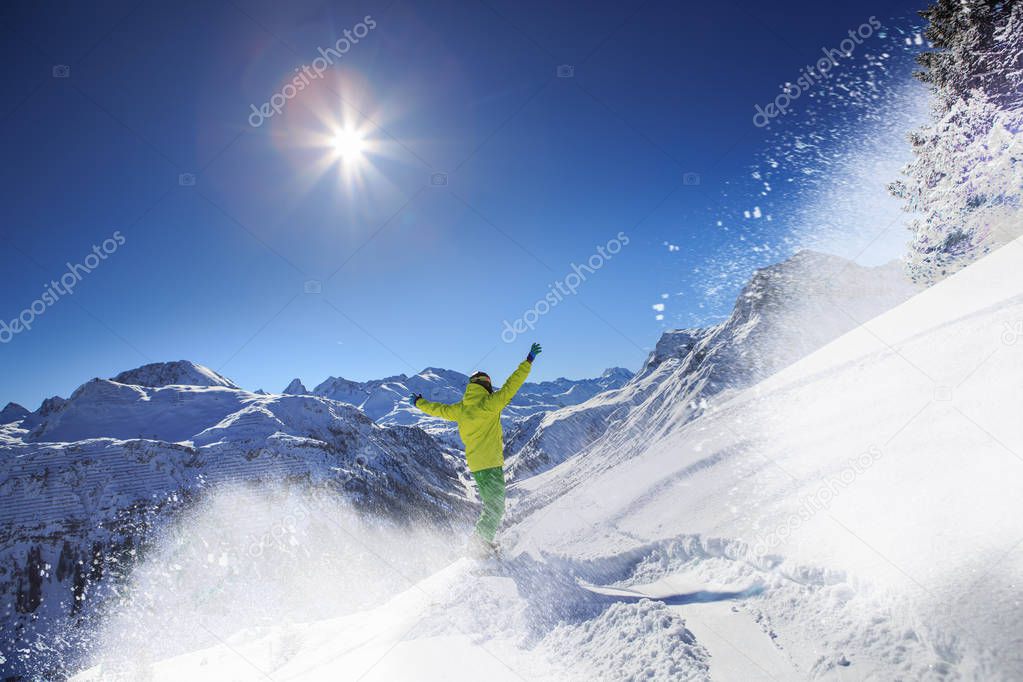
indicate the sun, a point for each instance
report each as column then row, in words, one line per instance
column 349, row 145
column 335, row 139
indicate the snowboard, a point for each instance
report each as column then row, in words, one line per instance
column 486, row 560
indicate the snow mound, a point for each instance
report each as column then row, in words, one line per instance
column 179, row 373
column 632, row 641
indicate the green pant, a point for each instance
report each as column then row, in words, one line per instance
column 490, row 484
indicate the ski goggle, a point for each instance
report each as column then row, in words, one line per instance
column 479, row 379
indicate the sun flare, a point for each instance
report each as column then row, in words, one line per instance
column 342, row 139
column 349, row 145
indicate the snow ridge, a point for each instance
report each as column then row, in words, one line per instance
column 179, row 373
column 786, row 311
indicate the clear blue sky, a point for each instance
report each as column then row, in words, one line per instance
column 541, row 170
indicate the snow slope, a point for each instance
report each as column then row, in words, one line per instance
column 884, row 468
column 854, row 516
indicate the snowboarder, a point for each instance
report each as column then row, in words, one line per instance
column 478, row 415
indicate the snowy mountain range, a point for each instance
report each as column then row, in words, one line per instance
column 89, row 481
column 785, row 312
column 386, row 400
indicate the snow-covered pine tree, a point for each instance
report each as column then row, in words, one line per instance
column 965, row 184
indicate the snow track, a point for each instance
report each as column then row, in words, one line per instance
column 739, row 648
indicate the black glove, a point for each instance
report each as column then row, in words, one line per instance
column 534, row 350
column 414, row 398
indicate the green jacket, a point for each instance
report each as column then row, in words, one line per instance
column 479, row 418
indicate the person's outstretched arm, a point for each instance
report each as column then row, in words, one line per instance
column 501, row 397
column 442, row 410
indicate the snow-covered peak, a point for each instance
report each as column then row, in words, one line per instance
column 439, row 374
column 179, row 373
column 12, row 413
column 616, row 374
column 332, row 385
column 296, row 387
